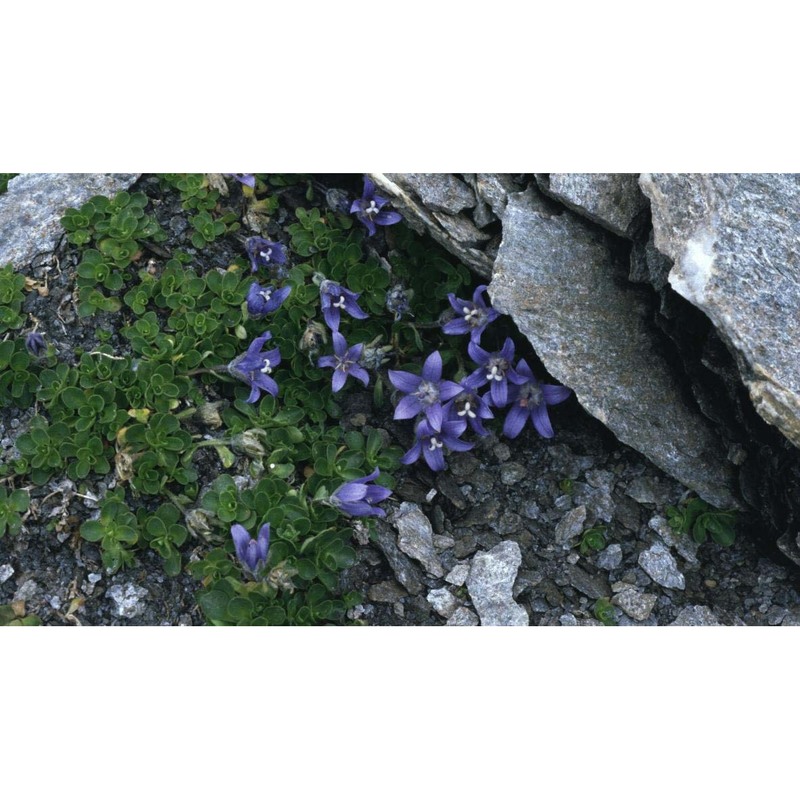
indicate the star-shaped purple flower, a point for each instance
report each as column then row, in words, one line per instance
column 470, row 407
column 262, row 300
column 369, row 209
column 335, row 299
column 358, row 500
column 472, row 315
column 430, row 444
column 264, row 253
column 495, row 369
column 529, row 400
column 245, row 178
column 344, row 362
column 424, row 393
column 255, row 366
column 252, row 553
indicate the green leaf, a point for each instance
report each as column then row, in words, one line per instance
column 214, row 605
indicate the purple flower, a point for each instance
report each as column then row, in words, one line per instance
column 255, row 366
column 263, row 300
column 495, row 369
column 424, row 394
column 529, row 400
column 430, row 444
column 251, row 552
column 473, row 316
column 264, row 253
column 243, row 177
column 357, row 499
column 35, row 344
column 369, row 209
column 344, row 362
column 335, row 299
column 470, row 407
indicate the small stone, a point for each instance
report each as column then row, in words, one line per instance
column 128, row 599
column 659, row 564
column 570, row 526
column 399, row 609
column 573, row 558
column 443, row 602
column 94, row 577
column 594, row 586
column 512, row 473
column 358, row 420
column 463, row 616
column 685, row 546
column 645, row 489
column 415, row 537
column 443, row 542
column 386, row 592
column 54, row 601
column 458, row 575
column 710, row 583
column 462, row 465
column 509, row 523
column 6, row 571
column 568, row 620
column 490, row 584
column 637, row 605
column 696, row 615
column 27, row 591
column 502, row 451
column 610, row 558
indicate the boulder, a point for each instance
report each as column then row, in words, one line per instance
column 735, row 243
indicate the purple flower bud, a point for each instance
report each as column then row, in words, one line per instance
column 252, row 553
column 244, row 178
column 35, row 344
column 262, row 300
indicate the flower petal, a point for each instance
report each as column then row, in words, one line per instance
column 360, row 374
column 387, row 218
column 432, row 368
column 331, row 316
column 339, row 379
column 351, row 491
column 406, row 382
column 457, row 327
column 413, row 454
column 407, row 408
column 435, row 416
column 515, row 421
column 434, row 458
column 448, row 390
column 554, row 394
column 541, row 421
column 499, row 393
column 477, row 353
column 240, row 538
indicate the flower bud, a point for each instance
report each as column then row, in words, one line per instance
column 250, row 443
column 208, row 414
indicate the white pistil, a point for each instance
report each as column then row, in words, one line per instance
column 467, row 411
column 266, row 296
column 340, row 304
column 371, row 209
column 266, row 369
column 493, row 374
column 266, row 255
column 435, row 444
column 470, row 313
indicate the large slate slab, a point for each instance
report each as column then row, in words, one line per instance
column 35, row 202
column 557, row 278
column 735, row 241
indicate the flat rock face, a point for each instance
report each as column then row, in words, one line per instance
column 35, row 202
column 556, row 277
column 611, row 199
column 735, row 241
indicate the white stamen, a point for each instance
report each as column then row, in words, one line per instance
column 266, row 255
column 266, row 369
column 340, row 304
column 266, row 295
column 493, row 374
column 435, row 444
column 372, row 209
column 470, row 313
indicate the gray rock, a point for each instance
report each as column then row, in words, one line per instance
column 461, row 231
column 415, row 537
column 422, row 219
column 439, row 191
column 512, row 473
column 734, row 240
column 386, row 592
column 594, row 586
column 659, row 564
column 558, row 279
column 490, row 583
column 610, row 558
column 683, row 544
column 696, row 615
column 570, row 525
column 443, row 602
column 458, row 575
column 463, row 616
column 611, row 199
column 6, row 571
column 637, row 605
column 128, row 599
column 405, row 570
column 568, row 620
column 494, row 189
column 27, row 591
column 31, row 209
column 649, row 264
column 646, row 489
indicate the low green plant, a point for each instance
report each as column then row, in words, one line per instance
column 12, row 506
column 11, row 298
column 700, row 519
column 605, row 612
column 5, row 177
column 116, row 531
column 593, row 540
column 10, row 615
